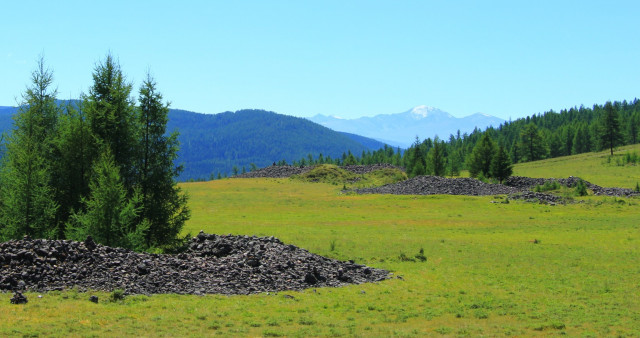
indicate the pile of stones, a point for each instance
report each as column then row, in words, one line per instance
column 538, row 197
column 516, row 187
column 435, row 185
column 220, row 264
column 526, row 183
column 365, row 169
column 284, row 171
column 276, row 171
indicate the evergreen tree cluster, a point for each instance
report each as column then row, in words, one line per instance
column 103, row 167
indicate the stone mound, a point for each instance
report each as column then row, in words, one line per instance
column 517, row 186
column 435, row 185
column 365, row 169
column 220, row 264
column 285, row 171
column 276, row 171
column 524, row 183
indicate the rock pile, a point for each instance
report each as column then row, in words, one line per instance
column 435, row 185
column 365, row 169
column 212, row 264
column 516, row 186
column 538, row 197
column 285, row 171
column 276, row 171
column 526, row 183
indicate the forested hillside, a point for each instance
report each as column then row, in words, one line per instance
column 215, row 144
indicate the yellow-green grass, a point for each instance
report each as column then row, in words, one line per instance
column 484, row 275
column 593, row 167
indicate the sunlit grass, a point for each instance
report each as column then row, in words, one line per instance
column 492, row 269
column 595, row 167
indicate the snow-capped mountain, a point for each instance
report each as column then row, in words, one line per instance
column 401, row 129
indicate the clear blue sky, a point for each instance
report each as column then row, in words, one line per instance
column 344, row 58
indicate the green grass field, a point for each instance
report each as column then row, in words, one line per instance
column 593, row 167
column 492, row 269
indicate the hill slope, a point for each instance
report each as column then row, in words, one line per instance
column 594, row 167
column 215, row 143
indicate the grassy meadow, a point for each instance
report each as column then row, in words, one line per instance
column 494, row 269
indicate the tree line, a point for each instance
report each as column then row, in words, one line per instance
column 102, row 166
column 490, row 153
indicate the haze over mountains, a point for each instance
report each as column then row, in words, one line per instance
column 402, row 128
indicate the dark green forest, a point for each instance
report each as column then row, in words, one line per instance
column 103, row 166
column 213, row 145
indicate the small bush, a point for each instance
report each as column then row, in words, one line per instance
column 420, row 256
column 637, row 188
column 117, row 295
column 547, row 186
column 581, row 188
column 403, row 258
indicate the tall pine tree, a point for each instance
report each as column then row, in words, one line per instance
column 501, row 167
column 481, row 157
column 610, row 134
column 28, row 203
column 164, row 206
column 532, row 144
column 436, row 161
column 71, row 165
column 110, row 112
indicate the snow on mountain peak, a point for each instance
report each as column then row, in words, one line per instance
column 424, row 111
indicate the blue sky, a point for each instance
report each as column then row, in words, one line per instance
column 343, row 58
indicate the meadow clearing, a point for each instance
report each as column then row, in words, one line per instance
column 492, row 269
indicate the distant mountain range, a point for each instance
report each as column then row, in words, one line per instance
column 215, row 143
column 402, row 128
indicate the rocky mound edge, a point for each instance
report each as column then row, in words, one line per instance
column 212, row 264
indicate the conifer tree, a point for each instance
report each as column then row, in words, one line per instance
column 501, row 167
column 481, row 157
column 28, row 202
column 610, row 134
column 111, row 115
column 415, row 159
column 532, row 144
column 633, row 127
column 110, row 217
column 164, row 206
column 71, row 166
column 436, row 158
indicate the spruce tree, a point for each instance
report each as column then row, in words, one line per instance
column 28, row 202
column 164, row 206
column 436, row 158
column 532, row 144
column 110, row 112
column 415, row 160
column 110, row 216
column 610, row 134
column 71, row 165
column 501, row 167
column 481, row 157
